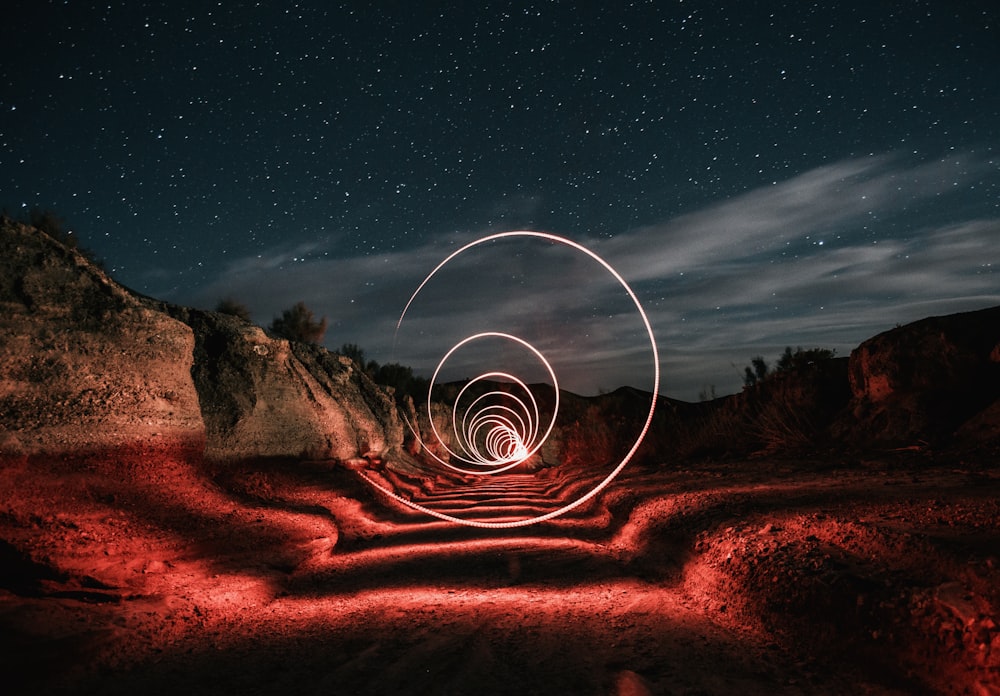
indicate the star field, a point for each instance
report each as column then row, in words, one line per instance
column 768, row 174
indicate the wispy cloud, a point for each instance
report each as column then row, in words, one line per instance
column 841, row 197
column 827, row 258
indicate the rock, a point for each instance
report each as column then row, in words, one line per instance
column 936, row 353
column 629, row 683
column 924, row 380
column 269, row 397
column 418, row 435
column 956, row 599
column 88, row 366
column 155, row 567
column 84, row 366
column 984, row 427
column 984, row 689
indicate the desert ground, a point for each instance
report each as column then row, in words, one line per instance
column 139, row 573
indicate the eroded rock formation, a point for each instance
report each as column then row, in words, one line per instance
column 84, row 366
column 269, row 397
column 927, row 382
column 87, row 365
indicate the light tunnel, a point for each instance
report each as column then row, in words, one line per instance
column 496, row 422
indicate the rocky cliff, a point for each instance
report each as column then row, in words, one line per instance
column 269, row 397
column 86, row 365
column 930, row 384
column 932, row 381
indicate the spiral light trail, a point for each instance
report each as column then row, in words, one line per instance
column 519, row 440
column 498, row 429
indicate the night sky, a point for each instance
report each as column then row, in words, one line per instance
column 762, row 174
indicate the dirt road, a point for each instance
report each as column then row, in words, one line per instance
column 126, row 575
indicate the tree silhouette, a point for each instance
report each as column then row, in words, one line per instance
column 789, row 360
column 230, row 306
column 402, row 379
column 757, row 374
column 801, row 358
column 299, row 324
column 354, row 352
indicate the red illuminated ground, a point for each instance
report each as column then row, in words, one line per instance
column 125, row 575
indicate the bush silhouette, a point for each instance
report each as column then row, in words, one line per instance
column 230, row 306
column 789, row 360
column 299, row 324
column 399, row 377
column 802, row 358
column 55, row 227
column 354, row 352
column 52, row 225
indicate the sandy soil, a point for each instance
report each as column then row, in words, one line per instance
column 125, row 574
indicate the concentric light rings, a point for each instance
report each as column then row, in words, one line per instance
column 509, row 427
column 495, row 466
column 496, row 437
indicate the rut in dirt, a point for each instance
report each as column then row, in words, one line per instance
column 510, row 497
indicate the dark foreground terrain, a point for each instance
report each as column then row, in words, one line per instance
column 130, row 574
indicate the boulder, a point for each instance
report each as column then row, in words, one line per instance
column 923, row 381
column 263, row 396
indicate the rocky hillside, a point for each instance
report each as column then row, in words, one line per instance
column 269, row 397
column 86, row 365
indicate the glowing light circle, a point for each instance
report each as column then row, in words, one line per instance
column 470, row 452
column 498, row 430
